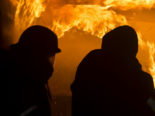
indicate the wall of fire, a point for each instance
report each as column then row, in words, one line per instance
column 80, row 25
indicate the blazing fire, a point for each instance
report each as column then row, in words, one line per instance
column 95, row 17
column 151, row 50
column 130, row 4
column 27, row 11
column 152, row 59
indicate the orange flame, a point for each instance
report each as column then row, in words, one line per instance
column 151, row 52
column 93, row 19
column 152, row 59
column 130, row 4
column 96, row 18
column 26, row 12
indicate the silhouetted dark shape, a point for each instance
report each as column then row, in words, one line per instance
column 110, row 81
column 30, row 65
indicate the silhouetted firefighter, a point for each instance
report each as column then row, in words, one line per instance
column 110, row 81
column 30, row 65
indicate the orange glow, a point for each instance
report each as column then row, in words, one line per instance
column 93, row 19
column 130, row 4
column 151, row 50
column 14, row 2
column 96, row 19
column 152, row 55
column 26, row 12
